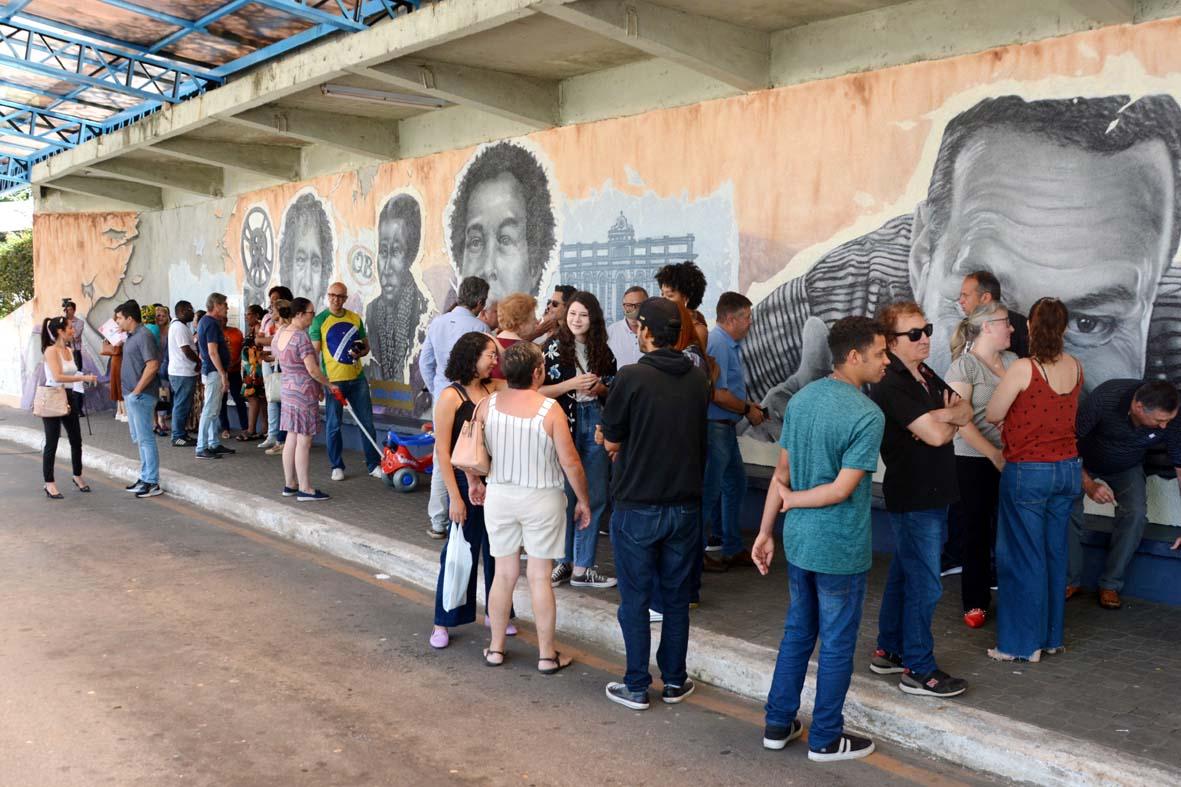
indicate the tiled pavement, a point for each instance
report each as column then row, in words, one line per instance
column 1117, row 684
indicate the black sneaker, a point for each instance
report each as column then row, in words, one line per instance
column 886, row 663
column 714, row 544
column 311, row 497
column 674, row 694
column 846, row 747
column 934, row 684
column 207, row 454
column 150, row 490
column 222, row 450
column 776, row 737
column 290, row 491
column 590, row 579
column 183, row 442
column 134, row 487
column 619, row 692
column 561, row 574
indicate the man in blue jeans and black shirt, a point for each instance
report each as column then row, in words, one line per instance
column 1116, row 425
column 653, row 428
column 828, row 451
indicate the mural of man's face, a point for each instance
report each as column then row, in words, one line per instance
column 494, row 245
column 1091, row 229
column 392, row 262
column 308, row 277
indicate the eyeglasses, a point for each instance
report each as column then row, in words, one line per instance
column 631, row 307
column 339, row 295
column 914, row 334
column 311, row 312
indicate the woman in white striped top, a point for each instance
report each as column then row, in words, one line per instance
column 525, row 500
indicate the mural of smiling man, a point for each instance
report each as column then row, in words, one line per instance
column 1075, row 198
column 395, row 314
column 305, row 249
column 501, row 220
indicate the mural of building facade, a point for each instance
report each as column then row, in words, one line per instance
column 608, row 268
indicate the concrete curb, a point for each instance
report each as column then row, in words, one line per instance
column 963, row 735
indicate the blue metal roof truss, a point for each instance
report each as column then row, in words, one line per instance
column 130, row 73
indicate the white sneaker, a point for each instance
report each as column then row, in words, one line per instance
column 337, row 474
column 655, row 617
column 268, row 443
column 377, row 473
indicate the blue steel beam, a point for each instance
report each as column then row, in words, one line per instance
column 201, row 24
column 15, row 170
column 303, row 10
column 58, row 98
column 12, row 8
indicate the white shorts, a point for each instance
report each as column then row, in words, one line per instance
column 519, row 516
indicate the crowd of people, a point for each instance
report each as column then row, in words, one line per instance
column 632, row 430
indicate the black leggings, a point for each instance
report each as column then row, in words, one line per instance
column 979, row 494
column 53, row 431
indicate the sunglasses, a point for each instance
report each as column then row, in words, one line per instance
column 555, row 304
column 914, row 334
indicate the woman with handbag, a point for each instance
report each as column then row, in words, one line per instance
column 469, row 368
column 59, row 401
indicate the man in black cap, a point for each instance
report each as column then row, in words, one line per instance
column 656, row 410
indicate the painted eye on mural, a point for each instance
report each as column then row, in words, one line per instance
column 1091, row 329
column 475, row 242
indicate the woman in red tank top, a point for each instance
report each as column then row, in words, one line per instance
column 1036, row 402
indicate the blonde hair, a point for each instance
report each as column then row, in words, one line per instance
column 514, row 310
column 969, row 328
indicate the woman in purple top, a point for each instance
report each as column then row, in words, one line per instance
column 301, row 394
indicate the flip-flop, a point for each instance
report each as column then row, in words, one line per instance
column 488, row 652
column 557, row 659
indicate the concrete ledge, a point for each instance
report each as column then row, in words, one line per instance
column 963, row 735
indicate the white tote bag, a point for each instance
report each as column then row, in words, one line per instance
column 457, row 569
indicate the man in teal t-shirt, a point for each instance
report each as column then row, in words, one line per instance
column 828, row 453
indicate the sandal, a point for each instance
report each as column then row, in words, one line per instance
column 490, row 652
column 557, row 659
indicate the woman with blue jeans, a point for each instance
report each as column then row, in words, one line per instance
column 579, row 366
column 1037, row 401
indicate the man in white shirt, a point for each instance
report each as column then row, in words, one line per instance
column 621, row 335
column 182, row 371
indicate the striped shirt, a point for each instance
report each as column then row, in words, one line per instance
column 523, row 453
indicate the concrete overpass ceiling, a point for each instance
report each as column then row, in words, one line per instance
column 232, row 132
column 772, row 15
column 356, row 95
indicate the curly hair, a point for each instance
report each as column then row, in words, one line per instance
column 685, row 278
column 1048, row 319
column 891, row 313
column 306, row 209
column 489, row 163
column 597, row 351
column 404, row 207
column 514, row 310
column 461, row 364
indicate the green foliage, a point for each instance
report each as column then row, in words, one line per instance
column 16, row 196
column 16, row 270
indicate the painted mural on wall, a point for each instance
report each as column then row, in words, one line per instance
column 1053, row 164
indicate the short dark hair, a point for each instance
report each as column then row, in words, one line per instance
column 130, row 308
column 284, row 292
column 403, row 207
column 636, row 288
column 1158, row 396
column 182, row 305
column 567, row 291
column 686, row 278
column 461, row 363
column 518, row 363
column 852, row 333
column 986, row 282
column 473, row 291
column 256, row 310
column 730, row 303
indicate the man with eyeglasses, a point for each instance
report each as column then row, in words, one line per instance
column 622, row 336
column 923, row 415
column 338, row 335
column 554, row 314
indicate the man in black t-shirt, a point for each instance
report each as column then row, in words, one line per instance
column 654, row 430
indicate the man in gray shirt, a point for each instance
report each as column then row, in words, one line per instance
column 141, row 362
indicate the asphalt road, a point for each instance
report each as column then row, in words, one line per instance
column 145, row 643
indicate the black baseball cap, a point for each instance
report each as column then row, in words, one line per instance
column 660, row 315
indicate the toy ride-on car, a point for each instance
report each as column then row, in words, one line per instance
column 405, row 456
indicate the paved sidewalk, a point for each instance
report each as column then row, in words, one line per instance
column 1115, row 687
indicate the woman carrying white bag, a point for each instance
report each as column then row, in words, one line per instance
column 469, row 368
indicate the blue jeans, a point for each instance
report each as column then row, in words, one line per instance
column 477, row 537
column 581, row 544
column 141, row 416
column 182, row 402
column 207, row 430
column 274, row 414
column 828, row 606
column 1131, row 516
column 913, row 588
column 725, row 484
column 1036, row 500
column 356, row 392
column 655, row 545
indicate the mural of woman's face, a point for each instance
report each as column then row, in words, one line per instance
column 495, row 232
column 392, row 262
column 308, row 277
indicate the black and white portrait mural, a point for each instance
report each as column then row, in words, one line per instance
column 258, row 255
column 500, row 223
column 1076, row 198
column 395, row 317
column 305, row 248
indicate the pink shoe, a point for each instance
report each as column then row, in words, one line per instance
column 509, row 631
column 440, row 638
